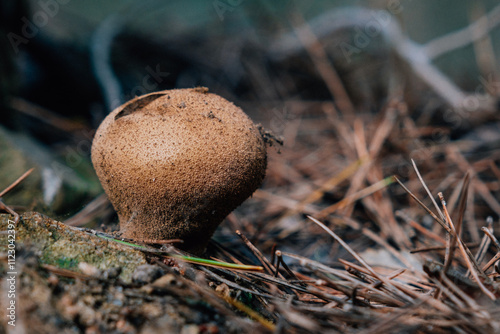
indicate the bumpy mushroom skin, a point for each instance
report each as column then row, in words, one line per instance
column 175, row 163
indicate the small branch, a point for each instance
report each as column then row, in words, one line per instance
column 16, row 182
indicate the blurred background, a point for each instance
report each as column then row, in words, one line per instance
column 314, row 73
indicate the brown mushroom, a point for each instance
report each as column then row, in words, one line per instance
column 175, row 163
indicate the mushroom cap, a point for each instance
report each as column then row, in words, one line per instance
column 175, row 163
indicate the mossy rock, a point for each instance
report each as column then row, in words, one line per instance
column 65, row 246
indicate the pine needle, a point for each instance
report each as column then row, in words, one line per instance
column 189, row 259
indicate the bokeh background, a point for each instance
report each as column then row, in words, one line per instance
column 65, row 64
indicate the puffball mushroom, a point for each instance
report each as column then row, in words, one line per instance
column 175, row 163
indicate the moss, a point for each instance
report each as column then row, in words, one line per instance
column 65, row 246
column 67, row 263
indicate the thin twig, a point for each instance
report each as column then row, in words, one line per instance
column 16, row 182
column 5, row 207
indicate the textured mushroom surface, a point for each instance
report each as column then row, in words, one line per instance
column 175, row 163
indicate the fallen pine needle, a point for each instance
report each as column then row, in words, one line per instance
column 357, row 196
column 360, row 260
column 464, row 253
column 189, row 259
column 250, row 312
column 16, row 182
